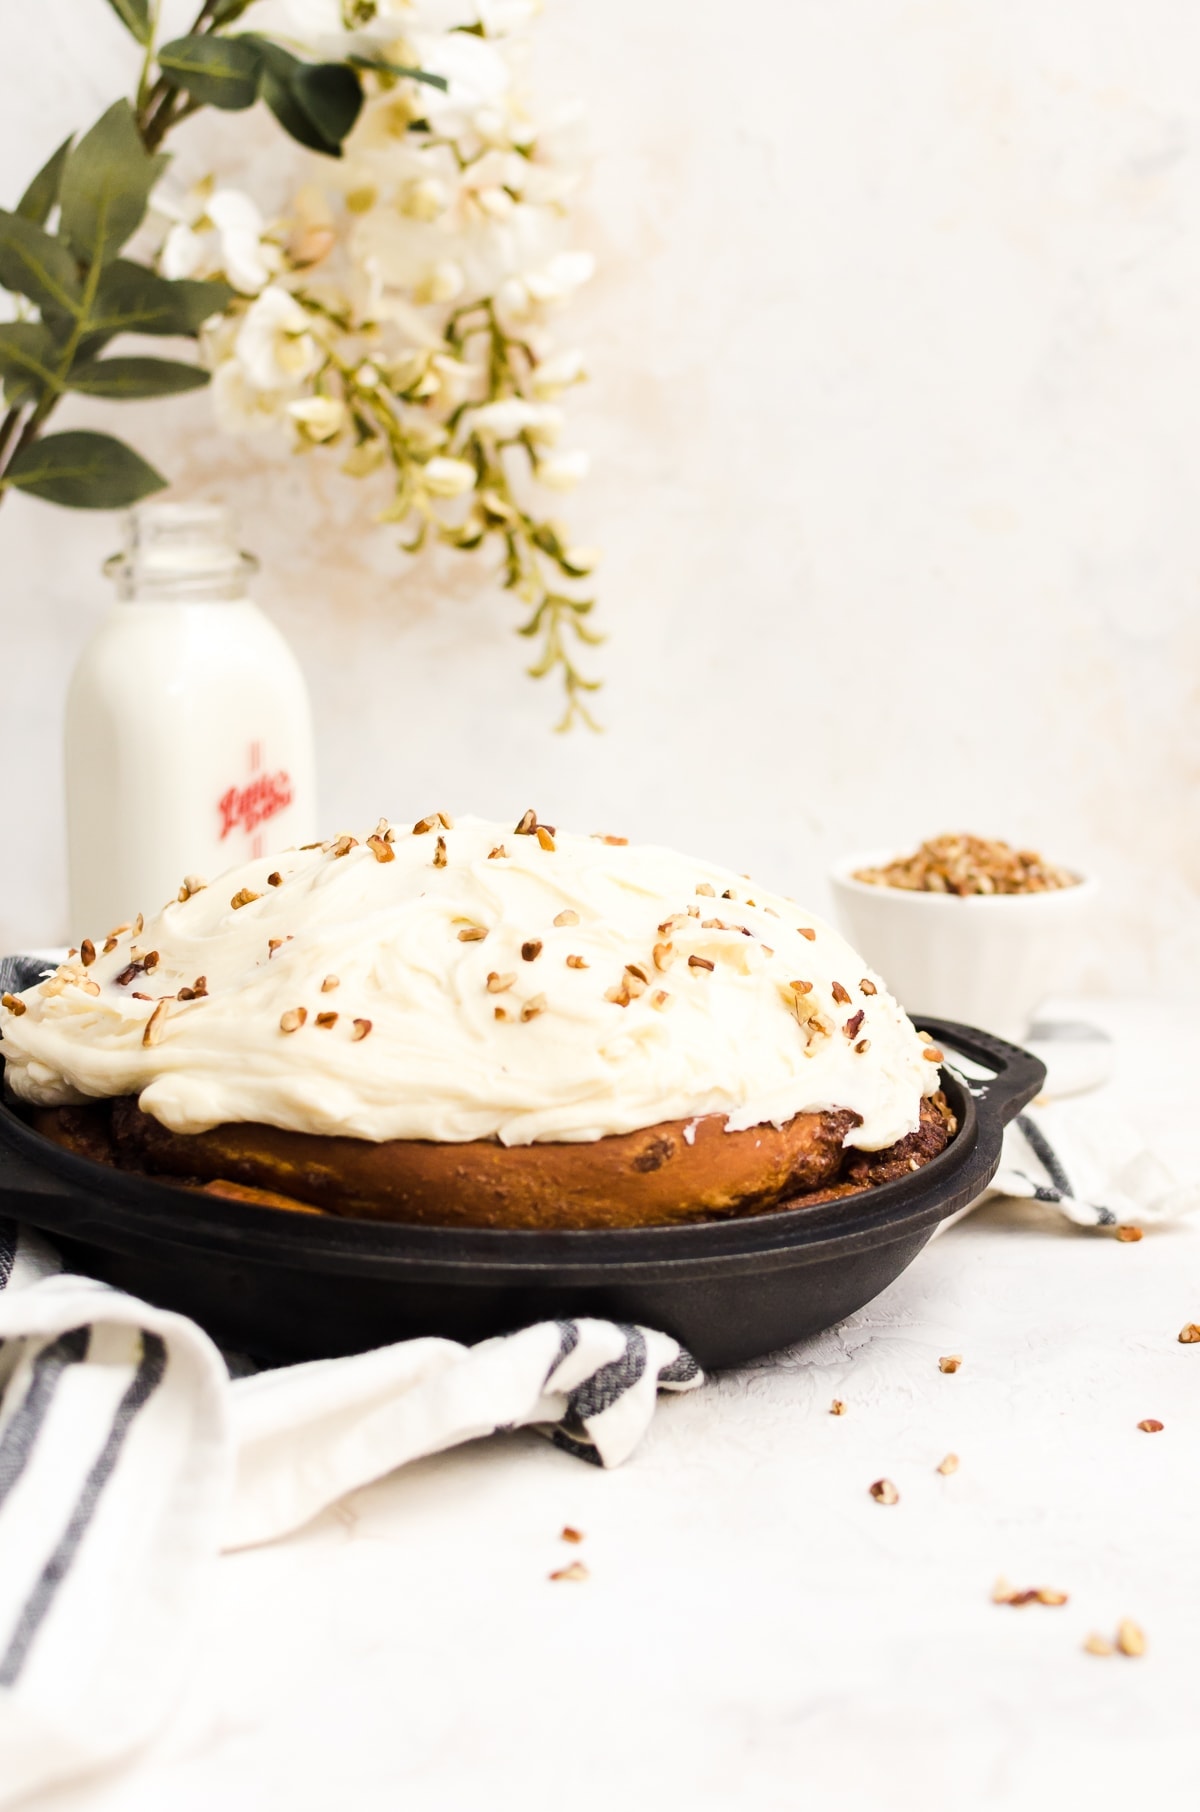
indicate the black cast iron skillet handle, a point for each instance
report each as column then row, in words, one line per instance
column 1019, row 1076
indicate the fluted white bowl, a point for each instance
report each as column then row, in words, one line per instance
column 988, row 960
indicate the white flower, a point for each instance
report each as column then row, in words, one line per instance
column 477, row 74
column 442, row 282
column 559, row 279
column 318, row 417
column 307, row 22
column 240, row 407
column 563, row 471
column 274, row 346
column 512, row 415
column 554, row 374
column 446, row 477
column 221, row 232
column 424, row 198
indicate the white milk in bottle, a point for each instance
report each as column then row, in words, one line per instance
column 188, row 731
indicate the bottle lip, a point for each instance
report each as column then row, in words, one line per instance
column 180, row 551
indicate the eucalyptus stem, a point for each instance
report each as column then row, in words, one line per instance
column 8, row 429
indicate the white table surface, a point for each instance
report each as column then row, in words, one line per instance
column 756, row 1631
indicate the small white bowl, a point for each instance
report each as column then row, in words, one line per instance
column 987, row 960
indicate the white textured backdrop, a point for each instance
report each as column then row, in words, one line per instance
column 895, row 349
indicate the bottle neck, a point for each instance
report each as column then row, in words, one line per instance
column 176, row 588
column 180, row 553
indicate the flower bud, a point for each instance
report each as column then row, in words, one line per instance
column 445, row 477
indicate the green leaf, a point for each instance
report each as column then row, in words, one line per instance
column 29, row 355
column 35, row 265
column 132, row 299
column 42, row 193
column 226, row 11
column 331, row 94
column 382, row 66
column 127, row 379
column 312, row 107
column 135, row 17
column 221, row 72
column 106, row 186
column 83, row 471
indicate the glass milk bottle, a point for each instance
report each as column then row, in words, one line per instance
column 188, row 732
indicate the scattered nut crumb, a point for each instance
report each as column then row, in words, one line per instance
column 293, row 1019
column 617, row 842
column 576, row 962
column 884, row 1492
column 439, row 853
column 498, row 984
column 244, row 897
column 344, row 845
column 574, row 1571
column 325, row 1020
column 662, row 1000
column 1097, row 1645
column 867, row 987
column 837, row 1407
column 361, row 1028
column 533, row 1006
column 494, row 854
column 472, row 934
column 664, row 955
column 1189, row 1333
column 570, row 1534
column 87, row 953
column 804, row 930
column 15, row 1006
column 700, row 962
column 531, row 949
column 381, row 849
column 1130, row 1638
column 1151, row 1426
column 1003, row 1593
column 1127, row 1233
column 703, row 887
column 544, row 837
column 566, row 917
column 425, row 824
column 949, row 1465
column 840, row 994
column 950, row 1362
column 329, row 984
column 275, row 879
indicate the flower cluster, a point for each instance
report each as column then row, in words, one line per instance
column 400, row 313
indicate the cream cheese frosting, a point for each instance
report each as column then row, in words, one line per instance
column 465, row 981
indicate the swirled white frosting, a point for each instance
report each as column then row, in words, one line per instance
column 546, row 1055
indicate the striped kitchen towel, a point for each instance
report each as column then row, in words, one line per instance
column 129, row 1458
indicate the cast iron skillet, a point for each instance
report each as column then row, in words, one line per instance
column 285, row 1287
